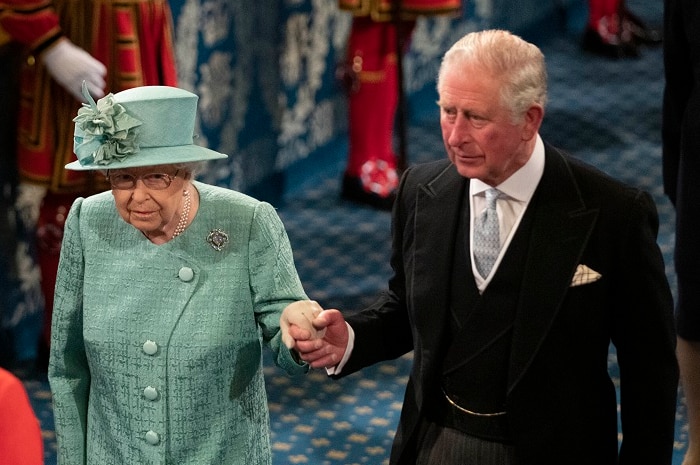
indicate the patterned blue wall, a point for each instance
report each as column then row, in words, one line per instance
column 265, row 74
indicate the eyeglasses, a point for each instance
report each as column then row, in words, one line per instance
column 155, row 181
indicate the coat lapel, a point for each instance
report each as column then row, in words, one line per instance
column 438, row 205
column 561, row 228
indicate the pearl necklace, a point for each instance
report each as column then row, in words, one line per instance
column 185, row 215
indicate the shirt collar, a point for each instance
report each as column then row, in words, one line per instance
column 520, row 185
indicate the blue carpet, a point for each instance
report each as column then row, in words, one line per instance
column 606, row 112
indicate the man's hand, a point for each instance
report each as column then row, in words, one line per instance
column 70, row 65
column 327, row 350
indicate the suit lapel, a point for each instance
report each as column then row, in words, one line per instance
column 562, row 224
column 438, row 205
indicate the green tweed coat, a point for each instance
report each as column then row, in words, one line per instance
column 156, row 351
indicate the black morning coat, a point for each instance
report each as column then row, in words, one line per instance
column 560, row 400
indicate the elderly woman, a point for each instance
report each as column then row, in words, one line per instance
column 167, row 290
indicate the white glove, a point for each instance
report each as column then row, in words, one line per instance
column 300, row 313
column 70, row 65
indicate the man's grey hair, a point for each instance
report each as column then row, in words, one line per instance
column 505, row 56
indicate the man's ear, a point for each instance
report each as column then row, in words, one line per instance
column 533, row 120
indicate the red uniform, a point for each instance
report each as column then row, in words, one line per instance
column 370, row 175
column 132, row 39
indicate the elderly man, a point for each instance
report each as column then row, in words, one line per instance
column 515, row 268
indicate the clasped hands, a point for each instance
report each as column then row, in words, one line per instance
column 319, row 336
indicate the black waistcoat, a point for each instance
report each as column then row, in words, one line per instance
column 479, row 333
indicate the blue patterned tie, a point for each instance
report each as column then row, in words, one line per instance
column 487, row 242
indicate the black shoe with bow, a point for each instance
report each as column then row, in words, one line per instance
column 354, row 191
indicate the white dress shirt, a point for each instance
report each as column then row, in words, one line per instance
column 516, row 193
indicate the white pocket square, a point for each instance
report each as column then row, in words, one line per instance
column 584, row 275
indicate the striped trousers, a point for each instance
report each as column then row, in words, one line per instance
column 447, row 446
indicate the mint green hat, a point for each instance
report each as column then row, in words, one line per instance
column 143, row 126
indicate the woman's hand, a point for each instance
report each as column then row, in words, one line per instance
column 300, row 315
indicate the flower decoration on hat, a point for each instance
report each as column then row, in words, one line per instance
column 108, row 132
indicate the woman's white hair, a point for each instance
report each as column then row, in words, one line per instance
column 192, row 168
column 519, row 64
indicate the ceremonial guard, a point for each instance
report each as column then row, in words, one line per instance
column 112, row 46
column 380, row 29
